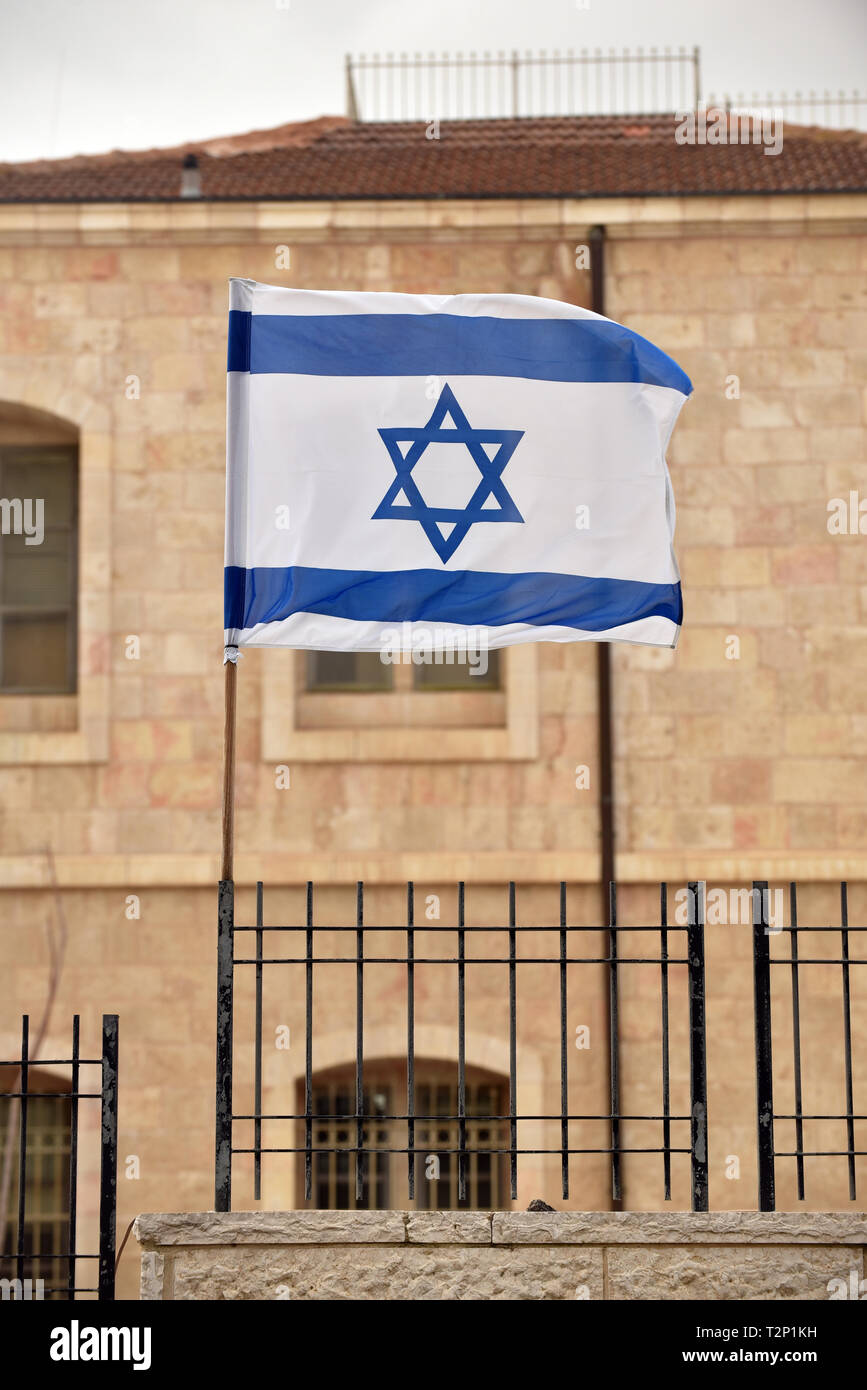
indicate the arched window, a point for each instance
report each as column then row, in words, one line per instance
column 38, row 552
column 46, row 1224
column 436, row 1138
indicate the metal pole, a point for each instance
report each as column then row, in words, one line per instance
column 108, row 1158
column 226, row 952
column 697, row 1047
column 75, row 1087
column 605, row 745
column 513, row 1047
column 228, row 826
column 603, row 651
column 22, row 1142
column 614, row 1053
column 764, row 1059
column 225, row 970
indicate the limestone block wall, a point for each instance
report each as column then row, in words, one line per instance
column 587, row 1256
column 741, row 749
column 749, row 739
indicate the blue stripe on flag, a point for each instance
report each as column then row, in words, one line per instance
column 239, row 341
column 447, row 345
column 473, row 598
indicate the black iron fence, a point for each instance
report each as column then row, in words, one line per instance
column 41, row 1217
column 366, row 1133
column 355, row 1144
column 777, row 945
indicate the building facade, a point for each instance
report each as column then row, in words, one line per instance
column 738, row 756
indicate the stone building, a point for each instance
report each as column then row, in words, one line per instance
column 739, row 756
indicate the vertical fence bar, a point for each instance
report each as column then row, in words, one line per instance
column 225, row 973
column 764, row 1058
column 72, row 1226
column 22, row 1143
column 697, row 1047
column 257, row 1076
column 564, row 1051
column 847, row 1035
column 513, row 1050
column 108, row 1158
column 613, row 1044
column 796, row 1038
column 666, row 1040
column 308, row 1048
column 359, row 1046
column 462, row 1076
column 410, row 1038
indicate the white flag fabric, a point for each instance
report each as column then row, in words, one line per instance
column 491, row 463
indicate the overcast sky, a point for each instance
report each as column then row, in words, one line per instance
column 82, row 76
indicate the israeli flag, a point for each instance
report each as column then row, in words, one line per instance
column 492, row 463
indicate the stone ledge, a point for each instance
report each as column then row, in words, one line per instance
column 167, row 1229
column 158, row 1229
column 545, row 867
column 679, row 1228
column 173, row 222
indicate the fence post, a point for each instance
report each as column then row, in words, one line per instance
column 351, row 99
column 108, row 1159
column 764, row 1059
column 697, row 1046
column 225, row 971
column 614, row 1049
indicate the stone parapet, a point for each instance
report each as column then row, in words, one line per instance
column 402, row 1255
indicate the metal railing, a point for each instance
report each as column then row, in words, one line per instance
column 587, row 82
column 233, row 956
column 766, row 955
column 833, row 110
column 459, row 86
column 23, row 1253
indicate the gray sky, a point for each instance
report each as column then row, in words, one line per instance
column 82, row 76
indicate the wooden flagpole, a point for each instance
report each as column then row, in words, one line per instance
column 231, row 690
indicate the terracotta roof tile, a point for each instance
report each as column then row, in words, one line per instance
column 532, row 157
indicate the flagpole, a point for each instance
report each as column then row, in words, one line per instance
column 230, row 660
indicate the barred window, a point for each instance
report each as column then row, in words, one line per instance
column 436, row 1139
column 46, row 1220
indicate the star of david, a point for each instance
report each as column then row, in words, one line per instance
column 490, row 450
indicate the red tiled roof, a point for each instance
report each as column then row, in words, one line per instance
column 333, row 157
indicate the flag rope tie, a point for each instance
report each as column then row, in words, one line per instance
column 232, row 654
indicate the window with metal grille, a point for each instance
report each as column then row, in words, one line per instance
column 436, row 1139
column 38, row 581
column 46, row 1224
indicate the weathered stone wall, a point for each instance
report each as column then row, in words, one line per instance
column 515, row 1255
